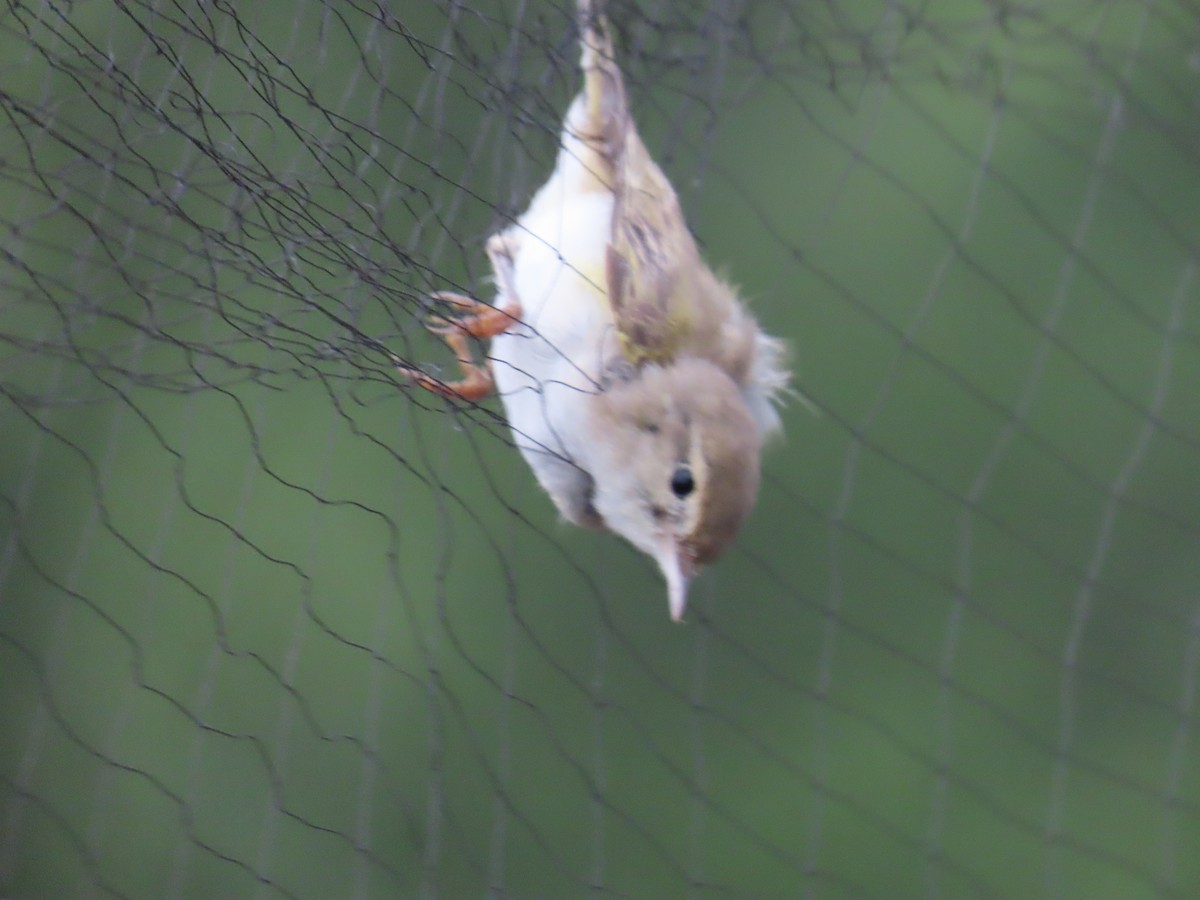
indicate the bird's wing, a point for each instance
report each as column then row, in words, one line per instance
column 652, row 258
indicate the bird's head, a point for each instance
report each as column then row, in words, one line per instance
column 674, row 454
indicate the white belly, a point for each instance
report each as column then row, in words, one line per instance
column 546, row 368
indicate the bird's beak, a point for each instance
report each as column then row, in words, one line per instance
column 678, row 565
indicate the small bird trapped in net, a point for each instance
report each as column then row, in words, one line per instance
column 637, row 386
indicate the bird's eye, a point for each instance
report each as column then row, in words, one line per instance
column 682, row 482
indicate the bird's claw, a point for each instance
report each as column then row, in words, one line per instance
column 477, row 320
column 480, row 321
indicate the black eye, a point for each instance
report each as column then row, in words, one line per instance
column 682, row 482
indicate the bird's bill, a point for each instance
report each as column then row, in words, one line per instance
column 678, row 566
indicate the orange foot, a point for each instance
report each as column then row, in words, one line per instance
column 478, row 321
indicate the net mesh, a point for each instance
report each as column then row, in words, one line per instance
column 275, row 622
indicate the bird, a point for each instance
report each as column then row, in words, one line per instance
column 637, row 385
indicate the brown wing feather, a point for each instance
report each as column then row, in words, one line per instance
column 653, row 263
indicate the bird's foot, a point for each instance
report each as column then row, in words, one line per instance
column 479, row 321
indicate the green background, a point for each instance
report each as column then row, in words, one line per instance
column 272, row 623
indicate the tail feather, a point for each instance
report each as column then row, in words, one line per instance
column 606, row 116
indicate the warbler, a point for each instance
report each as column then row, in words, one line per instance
column 637, row 385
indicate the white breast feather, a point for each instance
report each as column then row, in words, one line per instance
column 559, row 248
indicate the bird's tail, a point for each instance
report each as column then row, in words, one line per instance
column 606, row 115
